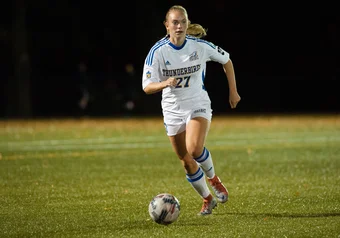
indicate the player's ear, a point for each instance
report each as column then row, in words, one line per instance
column 166, row 26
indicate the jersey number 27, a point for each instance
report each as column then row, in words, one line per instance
column 183, row 82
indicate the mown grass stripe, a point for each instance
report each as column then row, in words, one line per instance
column 60, row 145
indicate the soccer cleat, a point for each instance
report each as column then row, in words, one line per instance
column 220, row 191
column 208, row 206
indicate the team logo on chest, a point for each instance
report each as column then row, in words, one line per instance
column 193, row 56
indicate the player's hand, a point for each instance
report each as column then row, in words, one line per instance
column 234, row 98
column 171, row 82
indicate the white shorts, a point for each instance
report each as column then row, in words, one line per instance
column 175, row 121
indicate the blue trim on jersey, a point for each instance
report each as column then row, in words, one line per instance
column 201, row 41
column 166, row 40
column 178, row 47
column 160, row 43
column 203, row 78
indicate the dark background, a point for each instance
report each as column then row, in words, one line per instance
column 286, row 57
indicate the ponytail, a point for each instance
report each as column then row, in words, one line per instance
column 196, row 30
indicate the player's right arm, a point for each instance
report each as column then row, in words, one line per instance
column 153, row 81
column 156, row 87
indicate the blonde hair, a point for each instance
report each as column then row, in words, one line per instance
column 195, row 30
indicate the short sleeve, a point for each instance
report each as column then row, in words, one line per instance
column 217, row 54
column 150, row 70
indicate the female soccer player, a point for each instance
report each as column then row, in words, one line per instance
column 176, row 65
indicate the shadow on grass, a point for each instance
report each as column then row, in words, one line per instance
column 287, row 215
column 147, row 225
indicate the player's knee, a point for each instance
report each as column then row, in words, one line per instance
column 195, row 150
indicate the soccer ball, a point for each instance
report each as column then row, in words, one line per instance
column 164, row 208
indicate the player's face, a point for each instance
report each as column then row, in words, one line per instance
column 177, row 24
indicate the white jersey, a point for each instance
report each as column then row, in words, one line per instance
column 187, row 64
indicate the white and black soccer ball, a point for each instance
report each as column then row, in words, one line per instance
column 164, row 208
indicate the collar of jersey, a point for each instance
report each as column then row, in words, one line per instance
column 178, row 47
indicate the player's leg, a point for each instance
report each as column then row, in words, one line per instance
column 194, row 173
column 195, row 139
column 197, row 130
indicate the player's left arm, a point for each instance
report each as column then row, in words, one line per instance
column 229, row 71
column 217, row 54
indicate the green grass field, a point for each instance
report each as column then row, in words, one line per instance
column 96, row 177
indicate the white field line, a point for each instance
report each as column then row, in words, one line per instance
column 154, row 142
column 138, row 139
column 84, row 141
